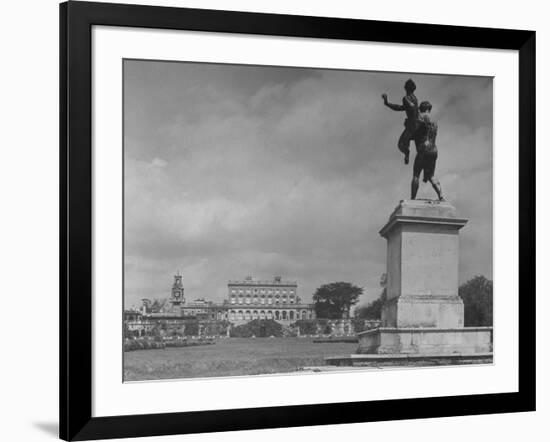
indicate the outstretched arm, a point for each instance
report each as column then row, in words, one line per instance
column 395, row 107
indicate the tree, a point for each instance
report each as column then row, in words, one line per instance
column 372, row 310
column 477, row 295
column 156, row 306
column 334, row 300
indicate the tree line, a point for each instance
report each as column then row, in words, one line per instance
column 334, row 301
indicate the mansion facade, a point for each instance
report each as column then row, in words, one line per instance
column 246, row 300
column 273, row 299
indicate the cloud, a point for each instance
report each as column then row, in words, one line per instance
column 159, row 162
column 236, row 170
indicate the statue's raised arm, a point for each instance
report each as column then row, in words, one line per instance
column 395, row 107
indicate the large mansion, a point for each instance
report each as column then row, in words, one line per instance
column 247, row 299
column 274, row 299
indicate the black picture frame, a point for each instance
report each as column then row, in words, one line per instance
column 76, row 21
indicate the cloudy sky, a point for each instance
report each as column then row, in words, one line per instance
column 244, row 170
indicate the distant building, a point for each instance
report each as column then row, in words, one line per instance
column 246, row 300
column 200, row 309
column 272, row 299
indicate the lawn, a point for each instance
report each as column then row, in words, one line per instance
column 231, row 357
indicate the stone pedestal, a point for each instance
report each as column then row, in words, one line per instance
column 423, row 312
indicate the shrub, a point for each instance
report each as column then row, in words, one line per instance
column 142, row 344
column 260, row 328
column 192, row 327
column 186, row 343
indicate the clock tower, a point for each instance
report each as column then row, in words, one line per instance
column 176, row 297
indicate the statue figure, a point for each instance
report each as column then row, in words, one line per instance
column 410, row 106
column 423, row 130
column 426, row 151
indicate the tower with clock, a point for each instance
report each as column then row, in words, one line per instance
column 176, row 297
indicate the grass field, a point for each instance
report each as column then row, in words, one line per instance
column 231, row 357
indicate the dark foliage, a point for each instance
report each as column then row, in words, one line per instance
column 372, row 310
column 143, row 344
column 191, row 328
column 477, row 295
column 154, row 344
column 260, row 328
column 156, row 306
column 334, row 300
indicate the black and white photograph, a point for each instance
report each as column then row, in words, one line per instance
column 282, row 220
column 275, row 221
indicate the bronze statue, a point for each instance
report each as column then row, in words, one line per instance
column 426, row 151
column 410, row 106
column 420, row 128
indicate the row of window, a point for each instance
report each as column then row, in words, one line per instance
column 262, row 292
column 255, row 300
column 269, row 314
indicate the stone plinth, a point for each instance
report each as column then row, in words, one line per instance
column 423, row 312
column 465, row 340
column 422, row 266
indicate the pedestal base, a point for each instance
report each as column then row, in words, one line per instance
column 376, row 361
column 426, row 340
column 445, row 312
